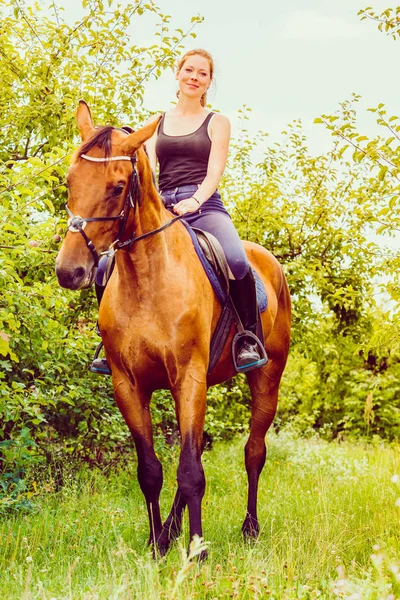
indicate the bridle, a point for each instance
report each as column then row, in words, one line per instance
column 77, row 224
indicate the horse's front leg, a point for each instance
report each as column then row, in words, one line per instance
column 134, row 406
column 190, row 396
column 173, row 525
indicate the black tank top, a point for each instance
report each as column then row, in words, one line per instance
column 183, row 159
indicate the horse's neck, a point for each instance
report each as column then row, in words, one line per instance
column 148, row 257
column 154, row 262
column 151, row 260
column 150, row 214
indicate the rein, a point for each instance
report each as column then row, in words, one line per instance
column 135, row 238
column 77, row 224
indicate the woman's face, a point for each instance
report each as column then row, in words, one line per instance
column 194, row 76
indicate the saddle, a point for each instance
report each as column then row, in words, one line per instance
column 212, row 258
column 212, row 251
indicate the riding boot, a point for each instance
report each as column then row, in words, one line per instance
column 99, row 365
column 243, row 294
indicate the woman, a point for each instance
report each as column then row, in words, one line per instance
column 191, row 147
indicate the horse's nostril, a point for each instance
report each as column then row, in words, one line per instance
column 72, row 277
column 79, row 273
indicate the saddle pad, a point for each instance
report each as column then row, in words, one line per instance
column 218, row 289
column 262, row 298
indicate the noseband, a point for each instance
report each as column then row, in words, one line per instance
column 77, row 224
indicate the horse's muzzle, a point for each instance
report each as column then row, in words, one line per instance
column 75, row 278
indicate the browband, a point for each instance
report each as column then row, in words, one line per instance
column 109, row 159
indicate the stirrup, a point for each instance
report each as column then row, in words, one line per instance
column 253, row 365
column 99, row 366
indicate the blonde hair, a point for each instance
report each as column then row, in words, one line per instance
column 204, row 54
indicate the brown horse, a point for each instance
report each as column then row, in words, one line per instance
column 158, row 314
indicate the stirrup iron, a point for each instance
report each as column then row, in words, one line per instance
column 102, row 367
column 263, row 360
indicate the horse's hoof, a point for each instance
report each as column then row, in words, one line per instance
column 158, row 550
column 163, row 544
column 202, row 556
column 162, row 550
column 250, row 528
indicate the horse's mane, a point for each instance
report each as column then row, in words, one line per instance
column 102, row 139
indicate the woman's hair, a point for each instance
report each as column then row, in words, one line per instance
column 204, row 54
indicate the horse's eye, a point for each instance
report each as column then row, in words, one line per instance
column 118, row 190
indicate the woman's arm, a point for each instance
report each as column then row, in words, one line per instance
column 220, row 131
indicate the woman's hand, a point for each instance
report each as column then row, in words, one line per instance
column 186, row 206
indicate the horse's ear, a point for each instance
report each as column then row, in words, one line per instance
column 84, row 120
column 137, row 138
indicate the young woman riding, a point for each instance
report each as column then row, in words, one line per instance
column 191, row 148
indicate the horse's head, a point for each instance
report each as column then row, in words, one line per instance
column 102, row 192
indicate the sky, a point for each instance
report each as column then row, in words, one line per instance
column 284, row 59
column 288, row 59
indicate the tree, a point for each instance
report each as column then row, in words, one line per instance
column 388, row 20
column 317, row 215
column 46, row 336
column 380, row 156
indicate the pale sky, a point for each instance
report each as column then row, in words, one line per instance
column 285, row 59
column 288, row 59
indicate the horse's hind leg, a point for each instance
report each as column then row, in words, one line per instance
column 264, row 385
column 173, row 524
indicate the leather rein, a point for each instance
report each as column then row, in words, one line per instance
column 77, row 224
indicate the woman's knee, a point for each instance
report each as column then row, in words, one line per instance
column 238, row 267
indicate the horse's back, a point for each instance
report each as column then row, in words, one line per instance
column 265, row 263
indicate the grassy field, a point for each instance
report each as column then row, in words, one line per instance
column 329, row 513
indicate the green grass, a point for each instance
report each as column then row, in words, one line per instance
column 324, row 510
